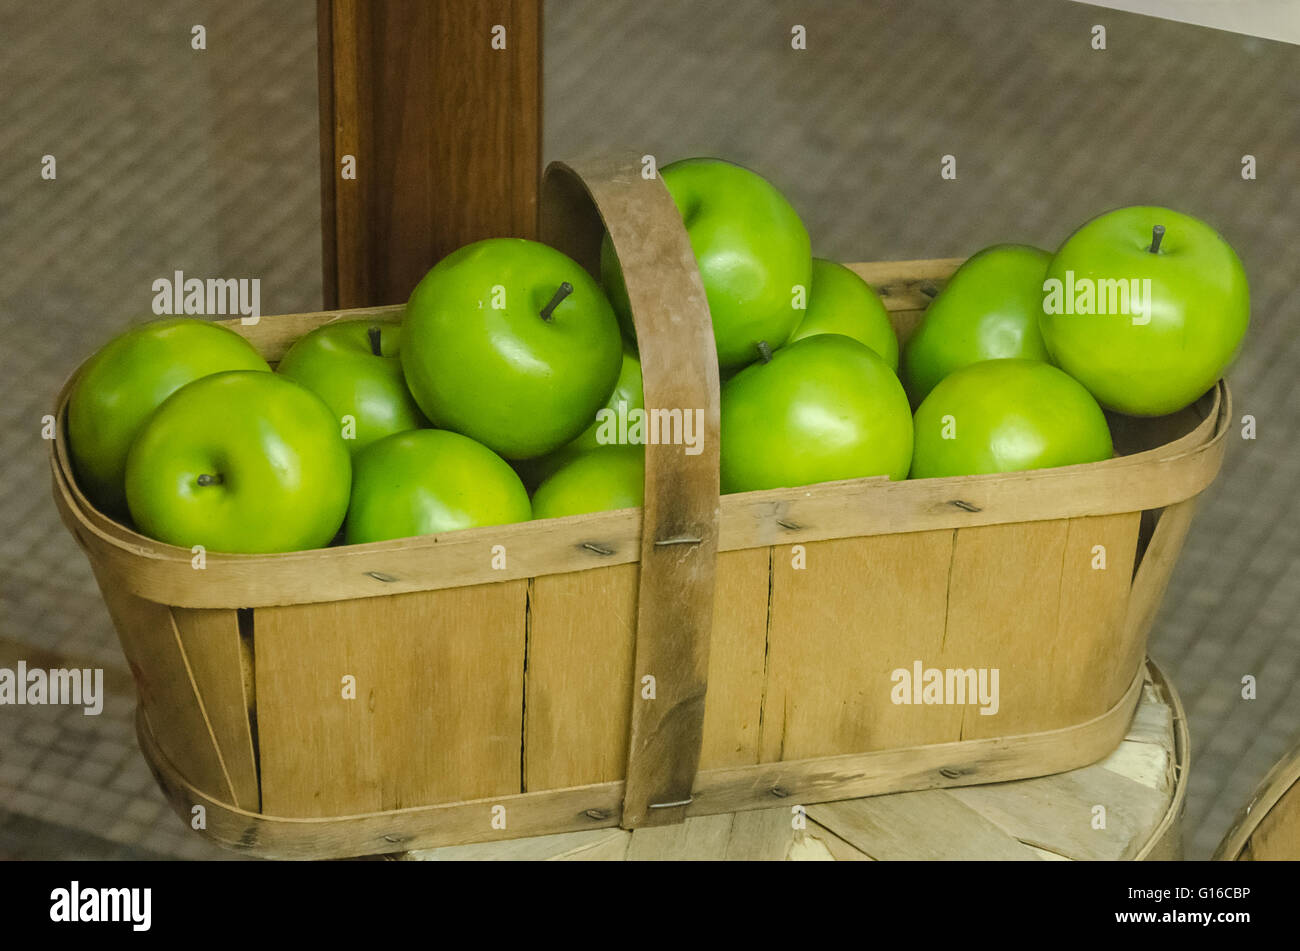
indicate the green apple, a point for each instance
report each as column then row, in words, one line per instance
column 353, row 366
column 840, row 302
column 628, row 394
column 988, row 310
column 427, row 481
column 240, row 462
column 751, row 249
column 127, row 380
column 627, row 391
column 1004, row 416
column 1188, row 305
column 823, row 408
column 598, row 480
column 511, row 343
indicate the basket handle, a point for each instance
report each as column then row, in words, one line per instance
column 679, row 536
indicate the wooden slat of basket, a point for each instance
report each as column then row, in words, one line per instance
column 1033, row 584
column 582, row 629
column 437, row 714
column 737, row 660
column 163, row 573
column 861, row 608
column 1004, row 588
column 210, row 641
column 168, row 698
column 1093, row 599
column 679, row 543
column 597, row 806
column 1156, row 567
column 1029, row 583
column 580, row 641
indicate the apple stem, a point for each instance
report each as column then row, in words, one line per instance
column 375, row 341
column 1157, row 235
column 206, row 479
column 764, row 351
column 563, row 291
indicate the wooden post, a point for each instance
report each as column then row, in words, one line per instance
column 438, row 102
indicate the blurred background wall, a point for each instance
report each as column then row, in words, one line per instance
column 170, row 158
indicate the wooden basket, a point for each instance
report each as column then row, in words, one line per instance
column 1268, row 828
column 501, row 673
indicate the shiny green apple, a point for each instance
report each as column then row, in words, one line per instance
column 240, row 462
column 427, row 481
column 1004, row 416
column 751, row 249
column 627, row 392
column 840, row 302
column 1188, row 306
column 353, row 366
column 127, row 380
column 597, row 480
column 988, row 310
column 823, row 408
column 511, row 343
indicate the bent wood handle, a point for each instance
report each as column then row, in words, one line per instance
column 679, row 537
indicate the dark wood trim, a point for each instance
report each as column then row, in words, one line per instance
column 328, row 170
column 446, row 132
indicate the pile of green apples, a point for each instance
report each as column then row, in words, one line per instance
column 483, row 406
